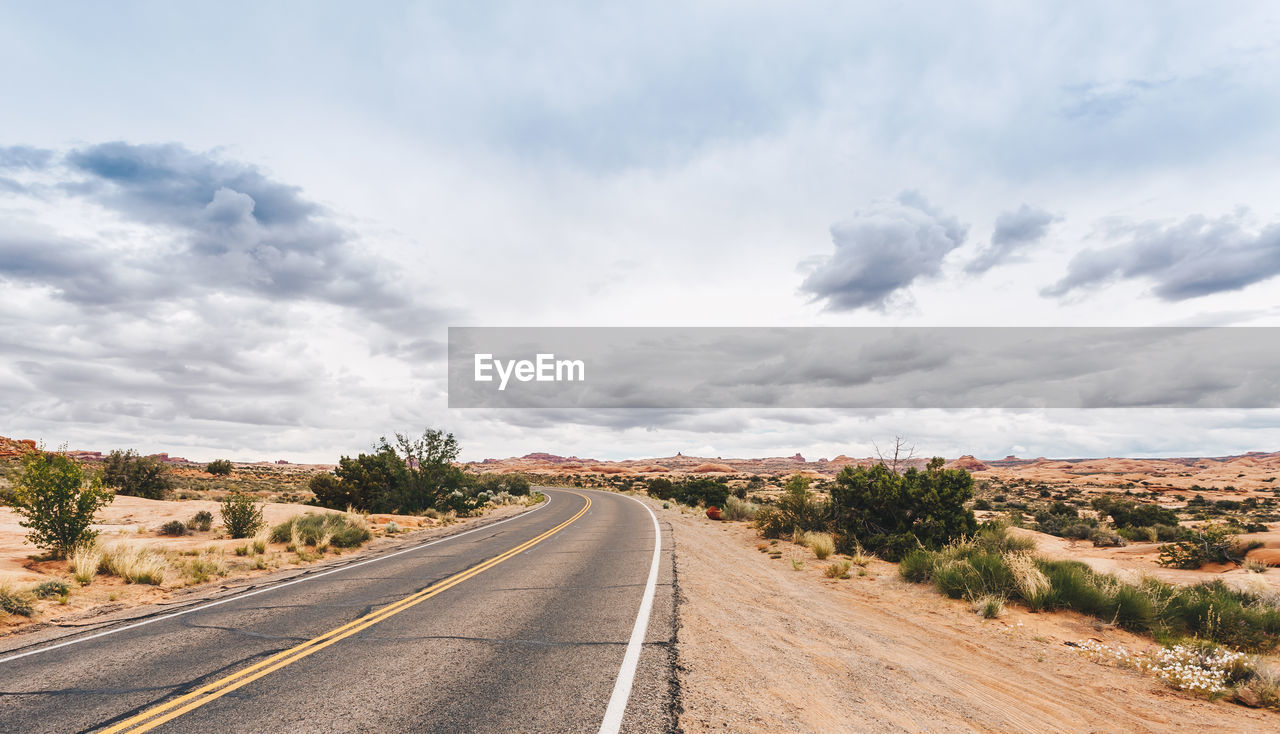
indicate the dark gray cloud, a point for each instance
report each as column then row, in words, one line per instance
column 156, row 290
column 237, row 229
column 24, row 156
column 1014, row 231
column 1195, row 257
column 882, row 250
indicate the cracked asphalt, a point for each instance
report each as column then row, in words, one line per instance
column 531, row 644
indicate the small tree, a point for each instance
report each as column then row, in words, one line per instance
column 892, row 513
column 140, row 476
column 797, row 510
column 241, row 515
column 219, row 467
column 57, row 503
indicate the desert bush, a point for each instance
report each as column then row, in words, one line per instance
column 837, row 570
column 133, row 564
column 57, row 503
column 1126, row 513
column 492, row 483
column 1211, row 611
column 50, row 588
column 408, row 477
column 740, row 509
column 241, row 515
column 822, row 544
column 700, row 491
column 661, row 488
column 346, row 530
column 16, row 601
column 918, row 566
column 1104, row 538
column 1138, row 534
column 139, row 476
column 1257, row 566
column 219, row 467
column 797, row 564
column 798, row 510
column 259, row 544
column 891, row 513
column 173, row 527
column 84, row 562
column 201, row 521
column 1210, row 543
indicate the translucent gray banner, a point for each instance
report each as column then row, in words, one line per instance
column 864, row 367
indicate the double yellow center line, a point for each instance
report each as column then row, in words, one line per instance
column 159, row 714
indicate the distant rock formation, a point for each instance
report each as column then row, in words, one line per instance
column 969, row 463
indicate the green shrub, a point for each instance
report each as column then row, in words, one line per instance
column 50, row 588
column 917, row 566
column 1211, row 543
column 201, row 521
column 1104, row 538
column 891, row 513
column 219, row 467
column 57, row 503
column 138, row 476
column 1126, row 513
column 241, row 515
column 798, row 510
column 173, row 527
column 493, row 483
column 661, row 488
column 411, row 476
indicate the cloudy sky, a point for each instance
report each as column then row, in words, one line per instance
column 243, row 230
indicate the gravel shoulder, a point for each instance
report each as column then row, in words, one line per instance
column 765, row 648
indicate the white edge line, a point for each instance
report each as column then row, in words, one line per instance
column 627, row 674
column 273, row 587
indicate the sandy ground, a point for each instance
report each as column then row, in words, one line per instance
column 1141, row 558
column 134, row 521
column 764, row 648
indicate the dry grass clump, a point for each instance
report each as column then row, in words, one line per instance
column 346, row 530
column 133, row 564
column 16, row 601
column 837, row 570
column 990, row 606
column 822, row 544
column 84, row 563
column 797, row 564
column 1032, row 584
column 205, row 567
column 736, row 509
column 861, row 558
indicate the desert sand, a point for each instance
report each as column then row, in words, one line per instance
column 763, row 648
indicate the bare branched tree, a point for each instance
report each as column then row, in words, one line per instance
column 901, row 454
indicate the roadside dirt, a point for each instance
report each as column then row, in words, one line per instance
column 764, row 648
column 133, row 521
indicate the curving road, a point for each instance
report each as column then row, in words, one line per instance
column 532, row 624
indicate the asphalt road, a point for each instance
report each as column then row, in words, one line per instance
column 521, row 626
